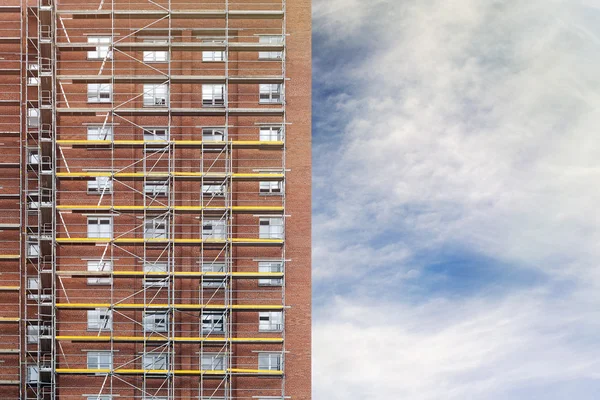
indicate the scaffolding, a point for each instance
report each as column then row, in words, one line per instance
column 154, row 192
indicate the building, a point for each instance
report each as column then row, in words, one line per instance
column 155, row 195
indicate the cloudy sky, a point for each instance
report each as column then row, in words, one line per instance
column 456, row 195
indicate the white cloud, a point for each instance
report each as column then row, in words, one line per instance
column 475, row 349
column 473, row 124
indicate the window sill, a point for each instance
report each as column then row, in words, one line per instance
column 271, row 194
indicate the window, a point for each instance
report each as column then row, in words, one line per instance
column 212, row 281
column 33, row 157
column 156, row 137
column 155, row 95
column 270, row 93
column 156, row 188
column 156, row 321
column 102, row 266
column 213, row 229
column 154, row 361
column 33, row 283
column 213, row 134
column 153, row 56
column 213, row 95
column 213, row 322
column 213, row 190
column 33, row 333
column 269, row 361
column 99, row 93
column 270, row 55
column 33, row 249
column 99, row 319
column 212, row 362
column 33, row 374
column 271, row 228
column 156, row 134
column 33, row 117
column 271, row 188
column 213, row 55
column 100, row 185
column 271, row 134
column 270, row 267
column 99, row 227
column 99, row 360
column 156, row 228
column 100, row 132
column 33, row 287
column 101, row 52
column 270, row 321
column 156, row 281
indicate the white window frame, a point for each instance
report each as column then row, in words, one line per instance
column 33, row 249
column 270, row 188
column 99, row 92
column 100, row 185
column 156, row 95
column 33, row 283
column 213, row 362
column 156, row 56
column 210, row 281
column 102, row 50
column 271, row 228
column 218, row 229
column 156, row 281
column 270, row 267
column 213, row 55
column 100, row 319
column 33, row 374
column 213, row 95
column 270, row 361
column 98, row 228
column 102, row 266
column 33, row 157
column 271, row 133
column 213, row 323
column 100, row 132
column 33, row 117
column 270, row 321
column 156, row 321
column 33, row 333
column 270, row 55
column 214, row 134
column 156, row 133
column 156, row 188
column 270, row 93
column 218, row 190
column 33, row 81
column 156, row 228
column 99, row 360
column 150, row 361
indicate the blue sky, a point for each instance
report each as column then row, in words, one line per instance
column 456, row 160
